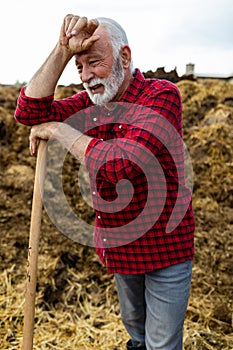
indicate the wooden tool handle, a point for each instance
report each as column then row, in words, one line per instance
column 35, row 228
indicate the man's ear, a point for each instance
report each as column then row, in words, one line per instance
column 125, row 56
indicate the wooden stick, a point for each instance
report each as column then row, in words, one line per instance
column 35, row 228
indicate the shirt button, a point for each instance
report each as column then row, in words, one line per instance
column 120, row 126
column 95, row 119
column 99, row 217
column 94, row 193
column 105, row 239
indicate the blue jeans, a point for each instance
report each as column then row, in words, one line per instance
column 153, row 305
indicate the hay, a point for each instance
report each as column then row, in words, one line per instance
column 81, row 316
column 76, row 304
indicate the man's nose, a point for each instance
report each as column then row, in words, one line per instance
column 87, row 74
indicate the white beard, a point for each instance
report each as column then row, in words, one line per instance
column 111, row 85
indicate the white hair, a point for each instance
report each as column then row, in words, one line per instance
column 117, row 36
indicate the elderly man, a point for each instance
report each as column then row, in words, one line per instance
column 134, row 134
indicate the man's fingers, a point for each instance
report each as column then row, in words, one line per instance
column 45, row 131
column 81, row 28
column 68, row 20
column 80, row 24
column 76, row 25
column 42, row 131
column 90, row 41
column 34, row 143
column 92, row 25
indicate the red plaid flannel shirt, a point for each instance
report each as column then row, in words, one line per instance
column 144, row 217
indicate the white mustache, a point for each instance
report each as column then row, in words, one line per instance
column 94, row 82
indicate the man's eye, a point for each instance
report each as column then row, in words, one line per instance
column 79, row 68
column 94, row 62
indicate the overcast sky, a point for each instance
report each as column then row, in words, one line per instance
column 161, row 33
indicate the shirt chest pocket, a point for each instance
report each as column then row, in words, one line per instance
column 119, row 130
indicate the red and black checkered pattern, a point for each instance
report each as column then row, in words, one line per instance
column 137, row 144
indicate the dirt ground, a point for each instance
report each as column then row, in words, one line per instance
column 76, row 304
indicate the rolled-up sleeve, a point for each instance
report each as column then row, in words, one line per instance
column 32, row 111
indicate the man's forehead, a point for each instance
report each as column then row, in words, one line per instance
column 87, row 54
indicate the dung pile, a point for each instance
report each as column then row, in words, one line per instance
column 208, row 134
column 76, row 306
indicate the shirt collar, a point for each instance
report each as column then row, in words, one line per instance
column 135, row 87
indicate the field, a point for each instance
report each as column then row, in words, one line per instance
column 76, row 305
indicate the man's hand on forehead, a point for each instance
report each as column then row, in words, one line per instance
column 78, row 33
column 75, row 24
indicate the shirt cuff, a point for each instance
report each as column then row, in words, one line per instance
column 90, row 146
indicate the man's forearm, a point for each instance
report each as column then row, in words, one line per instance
column 77, row 34
column 73, row 140
column 45, row 79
